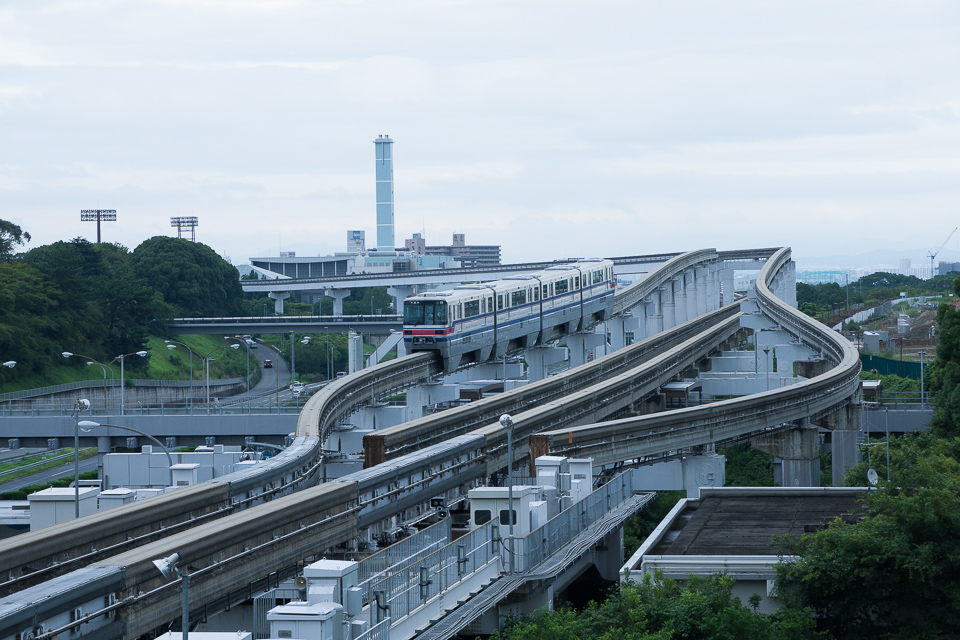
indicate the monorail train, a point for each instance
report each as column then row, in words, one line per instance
column 477, row 322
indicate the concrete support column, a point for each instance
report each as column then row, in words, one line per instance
column 584, row 347
column 790, row 284
column 354, row 352
column 799, row 450
column 623, row 331
column 654, row 315
column 103, row 448
column 680, row 298
column 278, row 297
column 701, row 290
column 668, row 306
column 338, row 296
column 540, row 359
column 690, row 283
column 844, row 454
column 727, row 284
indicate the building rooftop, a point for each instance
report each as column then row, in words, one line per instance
column 744, row 523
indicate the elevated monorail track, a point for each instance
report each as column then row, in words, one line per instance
column 739, row 418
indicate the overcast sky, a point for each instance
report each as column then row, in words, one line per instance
column 553, row 128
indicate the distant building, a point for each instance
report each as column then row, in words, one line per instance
column 948, row 267
column 904, row 266
column 477, row 255
column 356, row 241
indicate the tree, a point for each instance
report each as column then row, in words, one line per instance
column 896, row 572
column 660, row 608
column 11, row 235
column 944, row 372
column 193, row 279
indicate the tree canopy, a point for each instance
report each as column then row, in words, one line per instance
column 11, row 235
column 191, row 276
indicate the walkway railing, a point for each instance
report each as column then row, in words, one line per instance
column 413, row 584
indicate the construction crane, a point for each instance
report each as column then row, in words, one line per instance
column 934, row 254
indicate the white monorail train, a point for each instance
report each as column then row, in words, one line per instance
column 477, row 322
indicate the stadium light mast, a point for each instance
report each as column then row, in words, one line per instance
column 185, row 222
column 105, row 215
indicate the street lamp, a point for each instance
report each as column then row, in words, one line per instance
column 766, row 355
column 168, row 565
column 67, row 354
column 88, row 425
column 10, row 364
column 142, row 354
column 247, row 346
column 172, row 344
column 206, row 360
column 507, row 423
column 82, row 405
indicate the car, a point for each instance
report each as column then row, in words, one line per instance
column 268, row 364
column 251, row 343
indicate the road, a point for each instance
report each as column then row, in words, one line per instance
column 64, row 471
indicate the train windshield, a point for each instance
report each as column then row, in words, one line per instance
column 417, row 312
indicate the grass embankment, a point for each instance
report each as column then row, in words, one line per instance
column 21, row 494
column 161, row 364
column 88, row 452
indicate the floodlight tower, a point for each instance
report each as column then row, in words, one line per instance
column 185, row 222
column 106, row 215
column 384, row 149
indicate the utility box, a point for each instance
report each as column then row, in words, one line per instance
column 538, row 514
column 329, row 580
column 185, row 474
column 581, row 469
column 549, row 469
column 115, row 497
column 55, row 505
column 317, row 621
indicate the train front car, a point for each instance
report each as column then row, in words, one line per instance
column 458, row 324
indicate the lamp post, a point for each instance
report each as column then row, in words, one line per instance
column 507, row 423
column 206, row 359
column 10, row 364
column 68, row 354
column 82, row 405
column 172, row 344
column 247, row 347
column 766, row 355
column 88, row 425
column 121, row 358
column 166, row 566
column 921, row 354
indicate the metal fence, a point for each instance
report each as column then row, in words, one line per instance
column 263, row 603
column 379, row 631
column 415, row 583
column 542, row 543
column 409, row 550
column 174, row 408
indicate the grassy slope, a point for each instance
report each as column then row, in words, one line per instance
column 164, row 364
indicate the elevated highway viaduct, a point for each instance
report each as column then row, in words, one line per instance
column 413, row 471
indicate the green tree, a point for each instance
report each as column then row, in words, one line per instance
column 11, row 235
column 660, row 608
column 28, row 329
column 896, row 572
column 747, row 467
column 193, row 279
column 944, row 373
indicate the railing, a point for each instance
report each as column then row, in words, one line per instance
column 289, row 320
column 417, row 582
column 110, row 384
column 379, row 631
column 184, row 408
column 540, row 544
column 407, row 551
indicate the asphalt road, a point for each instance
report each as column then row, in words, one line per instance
column 65, row 471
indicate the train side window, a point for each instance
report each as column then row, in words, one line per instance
column 561, row 287
column 483, row 516
column 471, row 308
column 536, row 294
column 576, row 282
column 500, row 302
column 544, row 291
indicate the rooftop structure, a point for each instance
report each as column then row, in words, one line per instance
column 384, row 154
column 482, row 255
